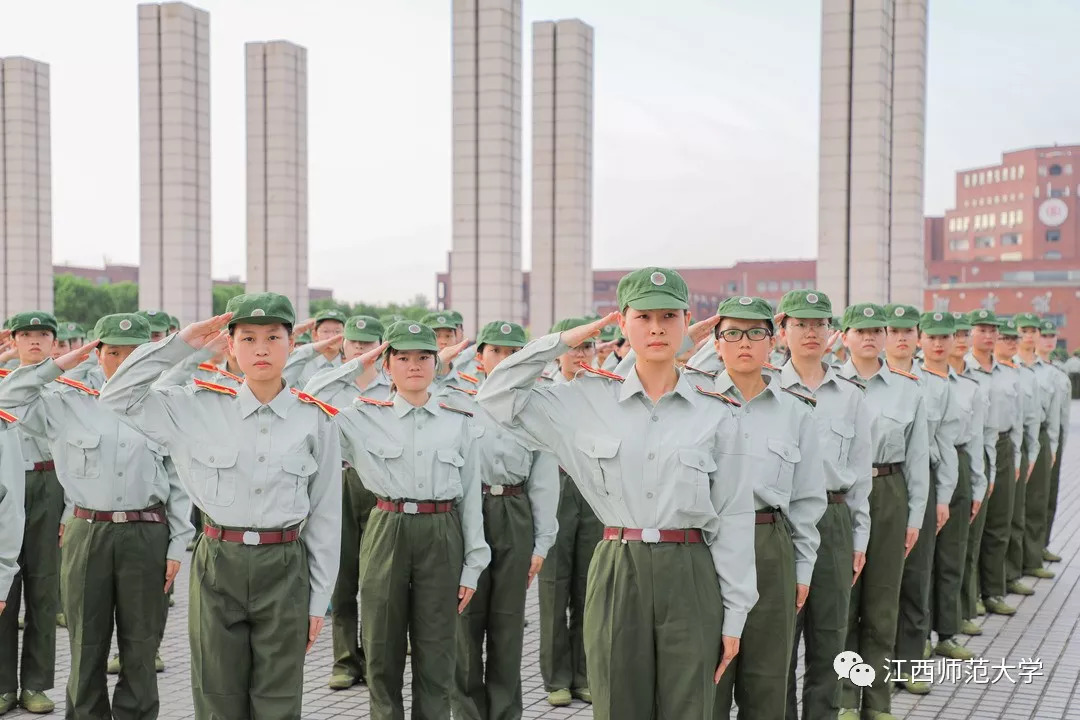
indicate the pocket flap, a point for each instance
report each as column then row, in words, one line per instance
column 299, row 464
column 786, row 450
column 697, row 459
column 600, row 447
column 843, row 428
column 450, row 456
column 386, row 451
column 83, row 439
column 215, row 457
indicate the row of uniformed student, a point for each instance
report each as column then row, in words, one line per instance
column 126, row 524
column 12, row 521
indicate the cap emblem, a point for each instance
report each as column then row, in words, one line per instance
column 868, row 312
column 898, row 312
column 506, row 329
column 125, row 324
column 745, row 301
column 982, row 313
column 414, row 329
column 258, row 312
column 939, row 317
column 35, row 321
column 658, row 278
column 361, row 324
column 811, row 298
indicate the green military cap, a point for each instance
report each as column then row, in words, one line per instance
column 809, row 304
column 264, row 308
column 363, row 328
column 568, row 324
column 330, row 314
column 442, row 320
column 1047, row 327
column 407, row 335
column 123, row 329
column 303, row 338
column 505, row 334
column 937, row 322
column 960, row 321
column 611, row 333
column 1009, row 329
column 174, row 322
column 653, row 288
column 747, row 308
column 388, row 320
column 898, row 315
column 33, row 320
column 69, row 331
column 863, row 316
column 1027, row 319
column 983, row 317
column 158, row 320
column 459, row 319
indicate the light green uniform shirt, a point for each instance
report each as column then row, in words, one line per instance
column 706, row 359
column 640, row 465
column 780, row 452
column 898, row 431
column 102, row 463
column 337, row 385
column 943, row 435
column 88, row 372
column 1032, row 409
column 965, row 419
column 1064, row 404
column 420, row 454
column 12, row 505
column 843, row 426
column 1002, row 386
column 1046, row 376
column 244, row 464
column 303, row 363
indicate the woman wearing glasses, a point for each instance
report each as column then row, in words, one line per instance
column 779, row 450
column 843, row 430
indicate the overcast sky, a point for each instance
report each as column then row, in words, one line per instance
column 706, row 123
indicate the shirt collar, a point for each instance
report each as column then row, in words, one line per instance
column 973, row 364
column 724, row 384
column 883, row 372
column 380, row 379
column 280, row 404
column 789, row 376
column 402, row 407
column 631, row 386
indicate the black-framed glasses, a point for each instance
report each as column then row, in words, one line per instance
column 735, row 334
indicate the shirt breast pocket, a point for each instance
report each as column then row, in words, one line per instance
column 83, row 455
column 213, row 470
column 783, row 455
column 894, row 425
column 843, row 433
column 601, row 453
column 693, row 480
column 447, row 475
column 299, row 467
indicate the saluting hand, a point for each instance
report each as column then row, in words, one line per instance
column 534, row 568
column 315, row 626
column 465, row 596
column 200, row 334
column 910, row 538
column 731, row 649
column 700, row 331
column 448, row 353
column 302, row 328
column 4, row 335
column 327, row 343
column 172, row 568
column 576, row 336
column 372, row 356
column 76, row 356
column 801, row 591
column 858, row 562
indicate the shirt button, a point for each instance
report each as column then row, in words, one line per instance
column 119, row 498
column 652, row 456
column 746, row 435
column 648, row 495
column 120, row 474
column 264, row 431
column 258, row 492
column 655, row 418
column 420, row 485
column 123, row 444
column 211, row 458
column 419, row 452
column 262, row 458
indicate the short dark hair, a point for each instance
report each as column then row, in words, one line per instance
column 34, row 329
column 288, row 328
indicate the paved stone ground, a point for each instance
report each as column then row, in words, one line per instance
column 1045, row 628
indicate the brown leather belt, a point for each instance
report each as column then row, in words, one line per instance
column 153, row 515
column 498, row 490
column 252, row 537
column 44, row 466
column 836, row 498
column 883, row 469
column 652, row 535
column 765, row 518
column 414, row 508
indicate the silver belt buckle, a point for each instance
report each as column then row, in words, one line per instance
column 495, row 489
column 410, row 508
column 119, row 517
column 650, row 535
column 252, row 538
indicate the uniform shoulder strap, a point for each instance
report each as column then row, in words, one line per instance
column 466, row 413
column 812, row 402
column 908, row 375
column 209, row 367
column 77, row 385
column 468, row 378
column 311, row 400
column 965, row 377
column 944, row 375
column 770, row 366
column 1007, row 363
column 4, row 372
column 373, row 401
column 853, row 381
column 729, row 400
column 8, row 417
column 602, row 373
column 202, row 384
column 693, row 369
column 467, row 391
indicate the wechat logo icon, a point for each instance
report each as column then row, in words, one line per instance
column 850, row 666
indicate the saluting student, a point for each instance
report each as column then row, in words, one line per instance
column 521, row 495
column 672, row 582
column 323, row 351
column 901, row 479
column 263, row 464
column 843, row 426
column 782, row 455
column 127, row 526
column 339, row 387
column 424, row 545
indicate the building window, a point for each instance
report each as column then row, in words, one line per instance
column 982, row 178
column 935, row 280
column 984, row 241
column 773, row 286
column 982, row 201
column 959, row 244
column 1053, row 236
column 762, row 286
column 1054, row 169
column 1012, row 218
column 1019, row 217
column 953, row 279
column 1042, row 171
column 967, row 181
column 1020, row 172
column 1010, row 239
column 734, row 288
column 997, row 199
column 1068, row 169
column 997, row 175
column 785, row 285
column 1004, row 218
column 1052, row 255
column 1058, row 192
column 952, row 224
column 1012, row 173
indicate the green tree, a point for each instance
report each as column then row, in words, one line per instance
column 125, row 296
column 223, row 294
column 79, row 300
